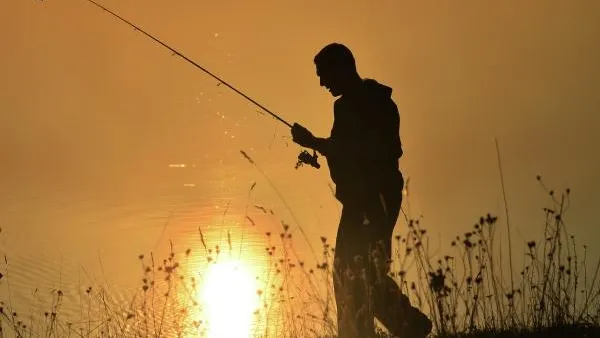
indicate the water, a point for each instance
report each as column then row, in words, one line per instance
column 92, row 237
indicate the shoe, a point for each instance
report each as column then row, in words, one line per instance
column 418, row 325
column 413, row 324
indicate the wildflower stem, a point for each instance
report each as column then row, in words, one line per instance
column 512, row 284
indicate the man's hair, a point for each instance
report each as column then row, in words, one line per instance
column 335, row 56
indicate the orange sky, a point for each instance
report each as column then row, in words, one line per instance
column 86, row 101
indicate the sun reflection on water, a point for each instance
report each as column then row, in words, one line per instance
column 232, row 275
column 229, row 295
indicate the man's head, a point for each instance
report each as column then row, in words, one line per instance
column 336, row 68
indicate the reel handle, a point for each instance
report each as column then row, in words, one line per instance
column 306, row 158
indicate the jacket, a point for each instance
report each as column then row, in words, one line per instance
column 365, row 141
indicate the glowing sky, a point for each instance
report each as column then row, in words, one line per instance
column 86, row 101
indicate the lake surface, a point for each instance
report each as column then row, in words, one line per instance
column 93, row 238
column 74, row 237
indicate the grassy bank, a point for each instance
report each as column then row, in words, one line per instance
column 467, row 292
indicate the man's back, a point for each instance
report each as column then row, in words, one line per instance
column 366, row 137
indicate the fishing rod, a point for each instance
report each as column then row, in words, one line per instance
column 303, row 157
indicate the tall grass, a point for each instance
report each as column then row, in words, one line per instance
column 462, row 291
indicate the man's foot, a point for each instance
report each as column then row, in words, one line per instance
column 397, row 314
column 417, row 325
column 411, row 324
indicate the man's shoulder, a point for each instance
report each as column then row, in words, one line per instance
column 339, row 104
column 371, row 93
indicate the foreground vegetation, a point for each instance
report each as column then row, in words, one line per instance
column 468, row 292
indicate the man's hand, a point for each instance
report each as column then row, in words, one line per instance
column 303, row 136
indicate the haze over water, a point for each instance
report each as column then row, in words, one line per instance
column 92, row 115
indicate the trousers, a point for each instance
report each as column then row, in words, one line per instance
column 362, row 288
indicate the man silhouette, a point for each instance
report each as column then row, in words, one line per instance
column 362, row 153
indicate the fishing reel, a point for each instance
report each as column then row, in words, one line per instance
column 306, row 158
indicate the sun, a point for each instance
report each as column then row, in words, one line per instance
column 229, row 296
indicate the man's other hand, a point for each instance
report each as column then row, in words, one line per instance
column 302, row 136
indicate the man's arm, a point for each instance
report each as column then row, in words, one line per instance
column 305, row 138
column 380, row 136
column 323, row 145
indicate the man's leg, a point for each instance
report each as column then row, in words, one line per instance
column 392, row 308
column 394, row 311
column 350, row 287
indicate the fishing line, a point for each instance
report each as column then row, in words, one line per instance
column 303, row 158
column 178, row 53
